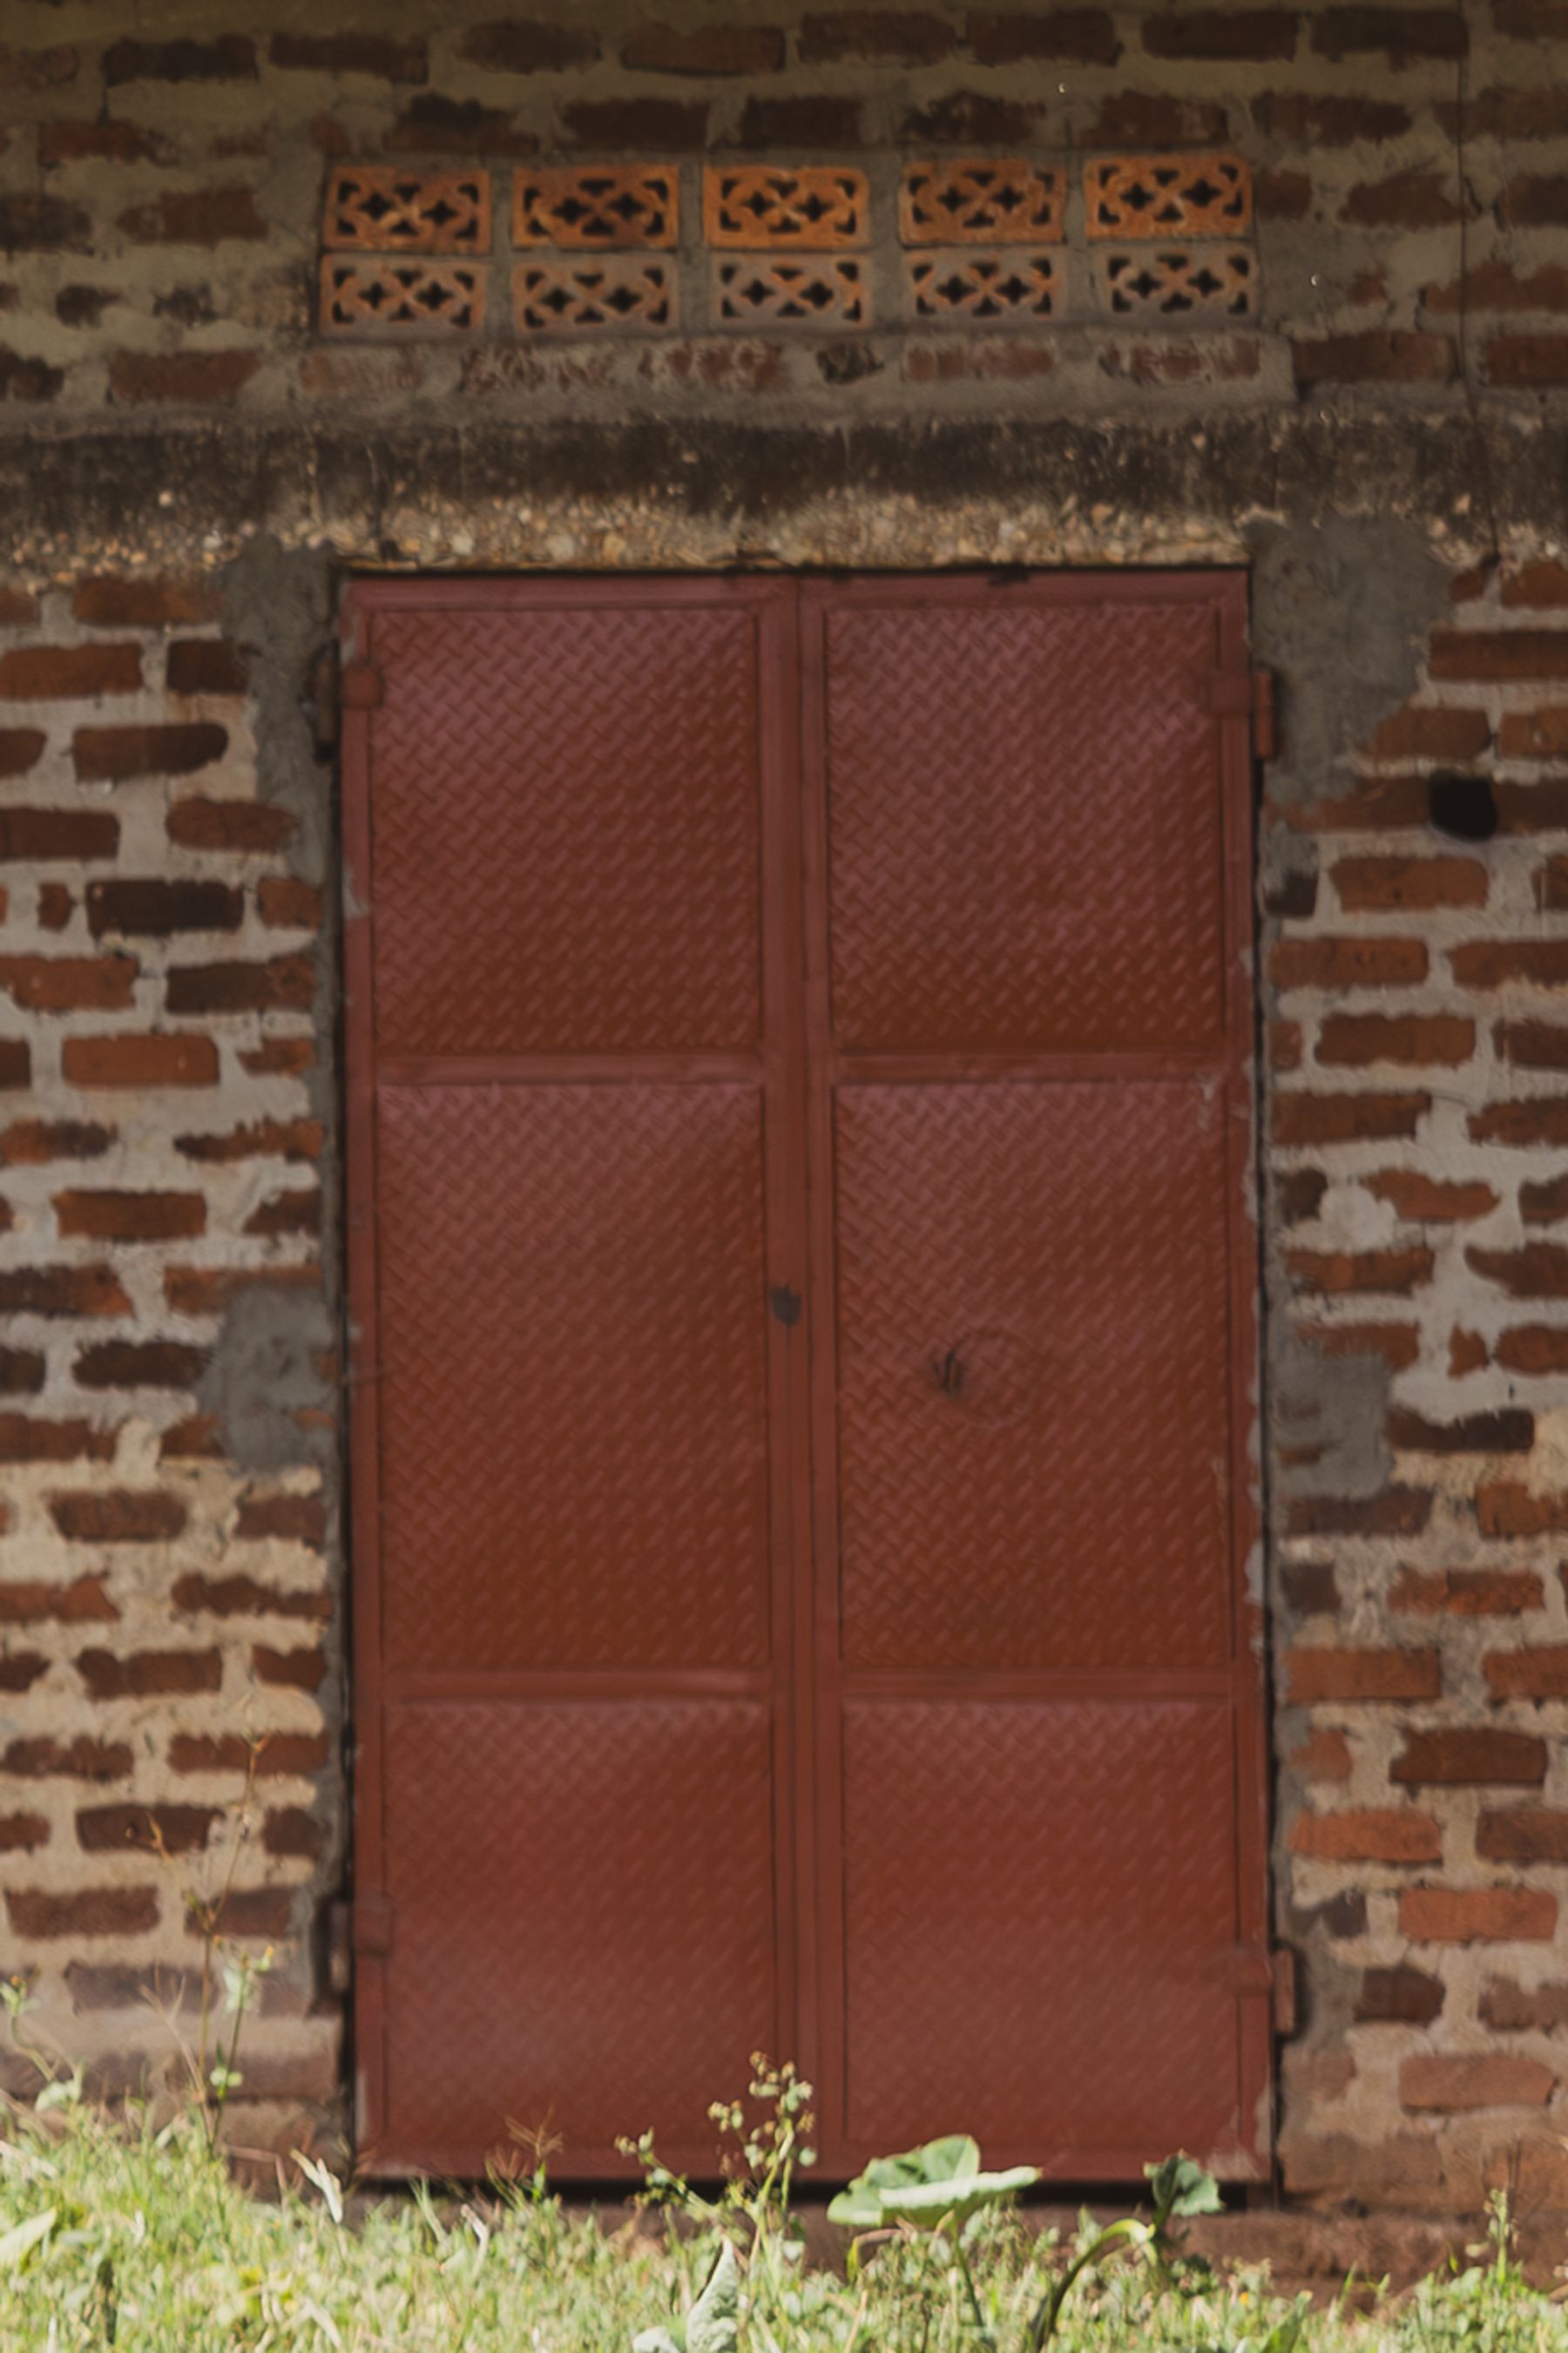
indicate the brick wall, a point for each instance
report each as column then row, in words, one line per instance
column 191, row 457
column 1418, row 1121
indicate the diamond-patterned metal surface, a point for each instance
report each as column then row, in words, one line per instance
column 583, row 1916
column 1033, row 1376
column 572, row 1399
column 1085, row 1858
column 566, row 809
column 1025, row 831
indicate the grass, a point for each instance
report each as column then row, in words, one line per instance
column 119, row 2232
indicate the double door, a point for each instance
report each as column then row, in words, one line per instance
column 801, row 1283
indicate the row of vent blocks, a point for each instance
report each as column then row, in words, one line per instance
column 394, row 238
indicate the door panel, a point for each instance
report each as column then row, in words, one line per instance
column 801, row 1284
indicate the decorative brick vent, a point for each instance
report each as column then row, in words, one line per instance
column 1168, row 196
column 761, row 207
column 1175, row 282
column 983, row 201
column 596, row 207
column 755, row 289
column 410, row 297
column 377, row 209
column 992, row 287
column 583, row 297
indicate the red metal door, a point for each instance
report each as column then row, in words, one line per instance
column 802, row 1299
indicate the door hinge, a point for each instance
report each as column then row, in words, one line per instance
column 324, row 693
column 1269, row 1971
column 360, row 686
column 1247, row 694
column 358, row 1926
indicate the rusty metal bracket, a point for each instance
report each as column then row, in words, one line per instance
column 1246, row 694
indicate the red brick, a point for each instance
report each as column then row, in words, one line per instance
column 289, row 1519
column 285, row 984
column 1399, row 1272
column 1322, row 1757
column 1378, row 356
column 1533, row 1119
column 1137, row 118
column 44, row 224
column 970, row 117
column 666, row 124
column 1320, row 1675
column 149, row 1673
column 130, row 1217
column 79, row 1759
column 205, row 217
column 514, row 46
column 1526, row 362
column 1537, row 1348
column 1368, row 1834
column 1399, row 1345
column 289, row 1830
column 1300, row 118
column 292, row 1670
column 1375, row 885
column 1415, row 1040
column 1400, row 1996
column 25, row 1439
column 1529, row 1674
column 140, row 1365
column 1504, row 1429
column 152, row 1829
column 204, row 376
column 213, row 1290
column 1284, row 1045
column 231, row 57
column 286, row 1212
column 154, row 908
column 1396, row 1512
column 1482, row 656
column 1467, row 1592
column 1541, row 586
column 1428, row 1200
column 33, row 1143
column 22, row 1833
column 19, row 749
column 1507, row 114
column 68, row 984
column 150, row 1059
column 1538, row 1271
column 39, row 1912
column 1524, row 1834
column 1310, row 1587
column 248, row 1912
column 1537, row 734
column 1299, row 1118
column 206, row 666
column 1504, row 1508
column 33, row 1601
column 1419, row 733
column 1075, row 36
column 800, row 122
column 1545, row 1204
column 118, row 1986
column 704, row 50
column 53, row 673
column 433, row 124
column 1532, row 1045
column 1535, row 200
column 118, row 1516
column 1511, row 2009
column 1414, row 199
column 1496, row 286
column 1467, row 1353
column 376, row 54
column 112, row 755
column 21, row 1373
column 56, row 906
column 142, row 602
column 1443, row 2081
column 1340, row 962
column 278, row 1057
column 1400, row 33
column 1247, row 35
column 907, row 37
column 198, row 824
column 297, row 1752
column 1282, row 195
column 1472, row 1915
column 62, row 1290
column 288, row 905
column 246, row 1596
column 263, row 1139
column 102, row 142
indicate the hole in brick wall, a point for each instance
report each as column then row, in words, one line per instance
column 1465, row 808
